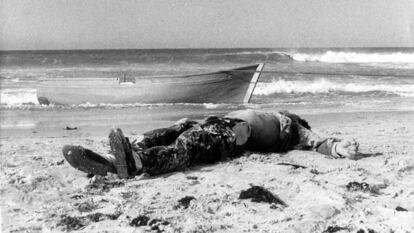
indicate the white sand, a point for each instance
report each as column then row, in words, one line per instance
column 38, row 187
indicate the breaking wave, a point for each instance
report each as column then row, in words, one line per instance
column 325, row 86
column 355, row 57
column 18, row 97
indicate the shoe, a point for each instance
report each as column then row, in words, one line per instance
column 121, row 149
column 87, row 161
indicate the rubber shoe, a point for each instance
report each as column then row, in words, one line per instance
column 87, row 161
column 121, row 149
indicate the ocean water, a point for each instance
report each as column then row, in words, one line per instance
column 331, row 79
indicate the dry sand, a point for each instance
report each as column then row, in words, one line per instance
column 39, row 190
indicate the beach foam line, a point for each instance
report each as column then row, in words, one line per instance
column 88, row 105
column 18, row 125
column 355, row 57
column 325, row 86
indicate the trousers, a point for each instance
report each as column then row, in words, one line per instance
column 186, row 144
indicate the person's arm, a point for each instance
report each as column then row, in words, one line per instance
column 334, row 147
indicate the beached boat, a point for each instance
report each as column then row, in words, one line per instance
column 227, row 86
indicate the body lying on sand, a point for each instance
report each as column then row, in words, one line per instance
column 188, row 143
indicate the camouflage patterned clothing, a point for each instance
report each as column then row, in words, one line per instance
column 188, row 143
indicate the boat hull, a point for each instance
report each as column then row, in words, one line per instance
column 229, row 86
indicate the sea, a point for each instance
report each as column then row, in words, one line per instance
column 305, row 80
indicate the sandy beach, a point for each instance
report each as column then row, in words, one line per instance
column 40, row 192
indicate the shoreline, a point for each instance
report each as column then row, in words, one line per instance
column 95, row 121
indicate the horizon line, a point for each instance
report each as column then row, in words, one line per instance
column 220, row 48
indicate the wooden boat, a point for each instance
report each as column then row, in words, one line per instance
column 227, row 86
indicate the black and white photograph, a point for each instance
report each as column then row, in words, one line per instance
column 290, row 116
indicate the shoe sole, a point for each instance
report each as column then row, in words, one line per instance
column 87, row 161
column 119, row 148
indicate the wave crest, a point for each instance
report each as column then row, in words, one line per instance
column 18, row 97
column 325, row 86
column 355, row 57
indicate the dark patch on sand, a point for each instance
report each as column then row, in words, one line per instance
column 76, row 196
column 104, row 185
column 314, row 171
column 260, row 194
column 141, row 220
column 356, row 186
column 155, row 224
column 96, row 217
column 86, row 206
column 399, row 208
column 185, row 202
column 60, row 162
column 332, row 229
column 192, row 177
column 70, row 128
column 71, row 223
column 295, row 166
column 364, row 187
column 368, row 231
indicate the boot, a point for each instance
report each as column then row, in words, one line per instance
column 87, row 161
column 121, row 149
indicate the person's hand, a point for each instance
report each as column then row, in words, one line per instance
column 347, row 148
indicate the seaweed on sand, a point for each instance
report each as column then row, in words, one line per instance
column 185, row 202
column 260, row 194
column 155, row 224
column 71, row 223
column 332, row 229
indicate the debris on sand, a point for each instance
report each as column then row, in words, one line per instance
column 399, row 208
column 103, row 184
column 364, row 187
column 368, row 231
column 332, row 229
column 96, row 217
column 86, row 206
column 71, row 223
column 295, row 166
column 155, row 224
column 356, row 186
column 60, row 162
column 141, row 220
column 314, row 171
column 70, row 128
column 260, row 194
column 185, row 202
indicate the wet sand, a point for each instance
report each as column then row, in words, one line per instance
column 40, row 192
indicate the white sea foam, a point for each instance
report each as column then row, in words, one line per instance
column 18, row 97
column 325, row 86
column 355, row 57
